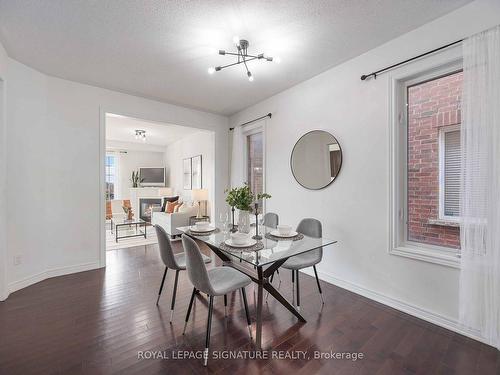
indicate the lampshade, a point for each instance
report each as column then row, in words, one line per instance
column 165, row 192
column 199, row 194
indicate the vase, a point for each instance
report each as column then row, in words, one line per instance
column 244, row 221
column 130, row 215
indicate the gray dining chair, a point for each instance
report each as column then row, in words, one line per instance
column 271, row 220
column 311, row 228
column 176, row 262
column 218, row 281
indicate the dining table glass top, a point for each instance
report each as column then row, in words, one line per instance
column 273, row 249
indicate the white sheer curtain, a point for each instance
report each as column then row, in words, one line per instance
column 480, row 188
column 237, row 158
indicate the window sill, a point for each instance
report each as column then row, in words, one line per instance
column 431, row 254
column 443, row 222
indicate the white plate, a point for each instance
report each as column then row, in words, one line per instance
column 276, row 233
column 194, row 228
column 250, row 242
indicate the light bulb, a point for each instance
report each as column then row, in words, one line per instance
column 211, row 70
column 236, row 40
column 250, row 76
column 276, row 59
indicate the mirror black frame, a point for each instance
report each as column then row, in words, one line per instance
column 341, row 160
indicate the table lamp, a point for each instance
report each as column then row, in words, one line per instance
column 199, row 195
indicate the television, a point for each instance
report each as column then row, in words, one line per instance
column 150, row 176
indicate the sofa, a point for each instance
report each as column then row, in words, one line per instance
column 170, row 222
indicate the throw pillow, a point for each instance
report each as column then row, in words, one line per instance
column 178, row 206
column 184, row 207
column 170, row 207
column 167, row 199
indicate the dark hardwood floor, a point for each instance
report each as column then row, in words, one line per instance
column 96, row 322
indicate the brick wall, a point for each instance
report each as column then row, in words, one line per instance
column 255, row 162
column 431, row 105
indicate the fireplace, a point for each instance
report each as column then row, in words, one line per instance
column 147, row 206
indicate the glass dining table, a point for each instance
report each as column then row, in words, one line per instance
column 259, row 265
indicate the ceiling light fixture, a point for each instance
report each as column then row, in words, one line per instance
column 243, row 57
column 140, row 134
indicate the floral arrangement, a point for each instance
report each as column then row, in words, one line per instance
column 242, row 197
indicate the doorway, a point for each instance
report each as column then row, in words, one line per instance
column 142, row 165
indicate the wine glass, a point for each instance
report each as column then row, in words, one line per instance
column 223, row 219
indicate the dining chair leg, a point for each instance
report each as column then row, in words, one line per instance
column 319, row 286
column 161, row 286
column 173, row 295
column 293, row 288
column 209, row 326
column 254, row 298
column 189, row 310
column 225, row 305
column 249, row 323
column 298, row 289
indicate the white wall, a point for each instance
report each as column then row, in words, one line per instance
column 132, row 160
column 201, row 143
column 120, row 145
column 55, row 130
column 354, row 209
column 28, row 173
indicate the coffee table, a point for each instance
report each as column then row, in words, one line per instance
column 133, row 224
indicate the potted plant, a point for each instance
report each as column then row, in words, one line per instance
column 136, row 180
column 242, row 199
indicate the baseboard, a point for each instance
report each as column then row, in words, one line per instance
column 3, row 294
column 418, row 312
column 54, row 272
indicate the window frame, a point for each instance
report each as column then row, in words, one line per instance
column 116, row 166
column 247, row 130
column 434, row 66
column 441, row 139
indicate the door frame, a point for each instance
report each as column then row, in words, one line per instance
column 103, row 111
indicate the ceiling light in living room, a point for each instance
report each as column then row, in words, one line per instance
column 140, row 134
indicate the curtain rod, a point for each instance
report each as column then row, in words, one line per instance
column 256, row 119
column 374, row 74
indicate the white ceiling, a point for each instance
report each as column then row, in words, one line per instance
column 161, row 49
column 122, row 129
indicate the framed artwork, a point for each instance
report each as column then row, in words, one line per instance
column 196, row 172
column 187, row 174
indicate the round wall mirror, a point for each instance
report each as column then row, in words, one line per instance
column 316, row 159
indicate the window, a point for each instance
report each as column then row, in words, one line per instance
column 111, row 169
column 425, row 159
column 255, row 162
